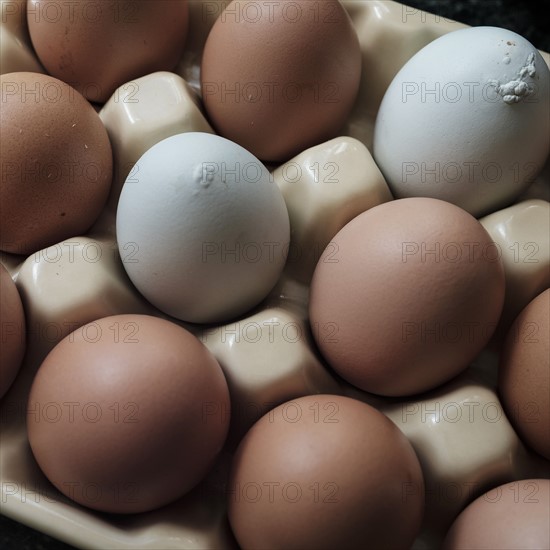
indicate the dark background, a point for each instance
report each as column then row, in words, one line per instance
column 524, row 17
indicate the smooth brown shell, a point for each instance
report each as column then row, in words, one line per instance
column 524, row 374
column 509, row 517
column 56, row 163
column 406, row 295
column 12, row 326
column 98, row 45
column 128, row 413
column 296, row 68
column 325, row 472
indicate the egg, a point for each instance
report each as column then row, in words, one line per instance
column 127, row 413
column 12, row 327
column 325, row 471
column 207, row 225
column 511, row 516
column 56, row 162
column 97, row 46
column 466, row 120
column 406, row 295
column 524, row 374
column 280, row 77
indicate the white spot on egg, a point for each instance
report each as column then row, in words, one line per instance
column 515, row 90
column 202, row 175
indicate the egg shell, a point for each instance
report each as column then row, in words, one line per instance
column 208, row 225
column 511, row 516
column 406, row 295
column 131, row 39
column 56, row 163
column 127, row 413
column 279, row 78
column 524, row 374
column 325, row 472
column 12, row 326
column 466, row 120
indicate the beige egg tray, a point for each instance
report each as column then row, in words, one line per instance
column 464, row 442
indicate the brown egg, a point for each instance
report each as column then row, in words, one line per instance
column 325, row 471
column 524, row 374
column 406, row 295
column 127, row 413
column 12, row 326
column 280, row 77
column 56, row 163
column 98, row 45
column 510, row 517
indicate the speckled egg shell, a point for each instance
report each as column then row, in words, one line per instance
column 56, row 163
column 131, row 39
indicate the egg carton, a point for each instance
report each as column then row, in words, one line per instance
column 463, row 440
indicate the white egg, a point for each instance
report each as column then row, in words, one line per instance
column 202, row 228
column 466, row 120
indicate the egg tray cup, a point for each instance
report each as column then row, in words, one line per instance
column 389, row 34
